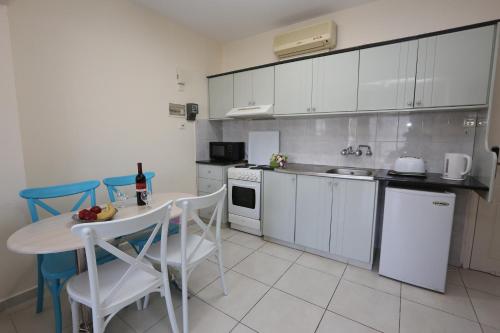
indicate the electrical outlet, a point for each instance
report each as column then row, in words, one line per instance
column 182, row 125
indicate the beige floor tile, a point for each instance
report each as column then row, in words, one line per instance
column 117, row 325
column 455, row 301
column 247, row 240
column 309, row 284
column 481, row 281
column 27, row 321
column 454, row 277
column 6, row 325
column 141, row 320
column 278, row 312
column 487, row 329
column 204, row 274
column 487, row 307
column 202, row 319
column 242, row 329
column 372, row 279
column 232, row 254
column 263, row 267
column 417, row 318
column 333, row 323
column 322, row 264
column 368, row 306
column 243, row 294
column 280, row 251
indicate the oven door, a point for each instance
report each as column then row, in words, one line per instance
column 244, row 198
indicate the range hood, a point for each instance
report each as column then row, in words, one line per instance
column 252, row 112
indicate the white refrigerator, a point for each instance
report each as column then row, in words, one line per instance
column 416, row 235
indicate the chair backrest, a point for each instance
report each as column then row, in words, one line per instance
column 34, row 196
column 97, row 233
column 190, row 207
column 112, row 182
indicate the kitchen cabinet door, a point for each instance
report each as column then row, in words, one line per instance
column 387, row 76
column 313, row 212
column 293, row 87
column 220, row 94
column 243, row 85
column 454, row 69
column 353, row 216
column 335, row 82
column 263, row 86
column 279, row 205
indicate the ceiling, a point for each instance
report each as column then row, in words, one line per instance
column 227, row 20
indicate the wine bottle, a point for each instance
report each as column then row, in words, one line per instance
column 140, row 185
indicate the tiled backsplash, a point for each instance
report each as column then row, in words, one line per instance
column 206, row 131
column 320, row 140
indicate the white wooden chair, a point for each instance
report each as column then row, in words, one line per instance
column 186, row 251
column 110, row 287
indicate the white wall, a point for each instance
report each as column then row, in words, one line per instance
column 94, row 79
column 377, row 21
column 16, row 271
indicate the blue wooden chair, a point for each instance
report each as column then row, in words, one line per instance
column 57, row 268
column 113, row 182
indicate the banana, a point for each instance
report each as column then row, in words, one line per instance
column 107, row 212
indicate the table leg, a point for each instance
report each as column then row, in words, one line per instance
column 85, row 312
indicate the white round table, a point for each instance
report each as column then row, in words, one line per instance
column 53, row 234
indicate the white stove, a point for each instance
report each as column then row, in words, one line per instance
column 244, row 195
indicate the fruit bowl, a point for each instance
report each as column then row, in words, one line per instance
column 96, row 214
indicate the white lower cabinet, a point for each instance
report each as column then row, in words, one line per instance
column 279, row 205
column 332, row 216
column 313, row 212
column 353, row 219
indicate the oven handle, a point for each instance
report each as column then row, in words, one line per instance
column 243, row 183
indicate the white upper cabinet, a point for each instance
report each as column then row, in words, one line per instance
column 293, row 86
column 313, row 212
column 220, row 95
column 387, row 76
column 335, row 82
column 454, row 69
column 255, row 87
column 279, row 205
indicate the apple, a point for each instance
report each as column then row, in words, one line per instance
column 96, row 209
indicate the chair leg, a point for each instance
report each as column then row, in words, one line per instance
column 97, row 323
column 75, row 315
column 221, row 269
column 170, row 306
column 139, row 305
column 146, row 302
column 40, row 286
column 55, row 288
column 185, row 314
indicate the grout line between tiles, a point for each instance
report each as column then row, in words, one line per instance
column 328, row 304
column 470, row 300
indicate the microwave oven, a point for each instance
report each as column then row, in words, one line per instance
column 227, row 151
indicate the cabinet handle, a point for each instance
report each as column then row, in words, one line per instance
column 313, row 109
column 308, row 109
column 409, row 103
column 418, row 103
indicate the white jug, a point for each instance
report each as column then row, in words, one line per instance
column 456, row 166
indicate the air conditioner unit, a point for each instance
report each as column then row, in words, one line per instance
column 313, row 38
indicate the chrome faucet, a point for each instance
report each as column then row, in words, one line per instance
column 358, row 152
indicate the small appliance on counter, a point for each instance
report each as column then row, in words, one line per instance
column 227, row 151
column 456, row 166
column 408, row 166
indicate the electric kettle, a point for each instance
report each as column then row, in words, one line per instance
column 456, row 166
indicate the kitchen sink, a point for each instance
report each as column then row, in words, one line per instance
column 350, row 171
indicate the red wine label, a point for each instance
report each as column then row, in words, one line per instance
column 140, row 187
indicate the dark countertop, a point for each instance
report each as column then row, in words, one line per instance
column 433, row 180
column 219, row 163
